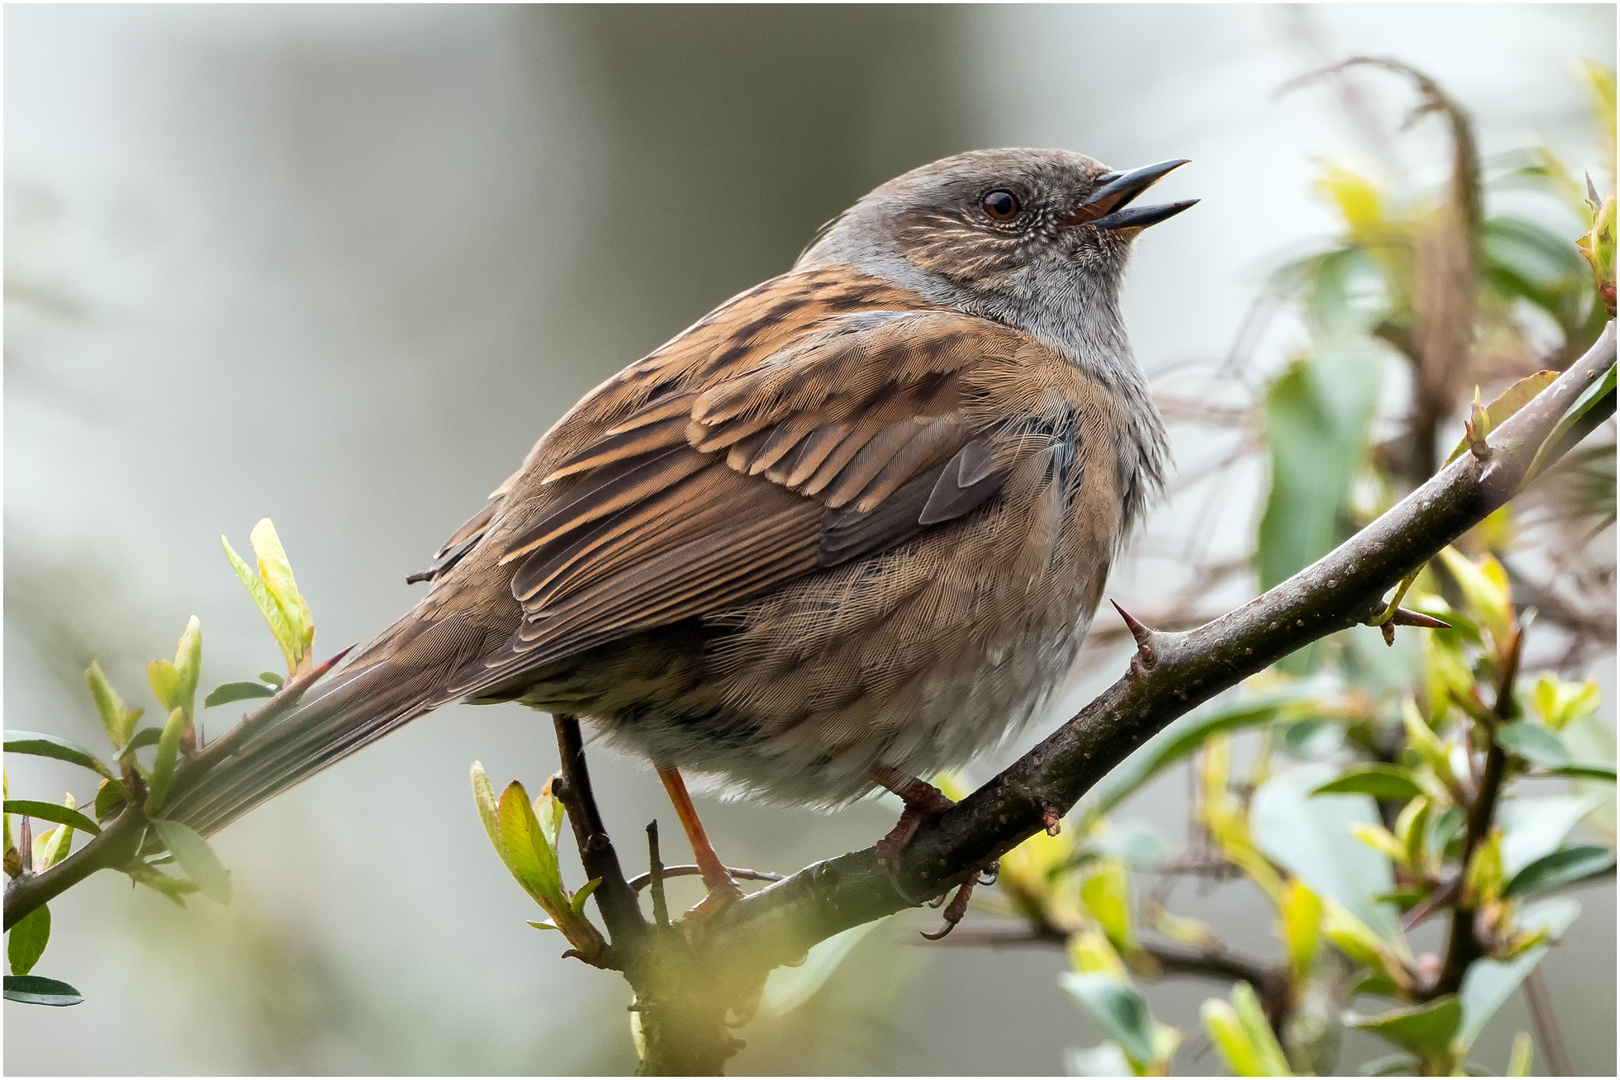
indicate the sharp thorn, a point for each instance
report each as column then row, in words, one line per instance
column 1141, row 633
column 1405, row 617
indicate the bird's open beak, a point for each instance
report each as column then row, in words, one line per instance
column 1109, row 207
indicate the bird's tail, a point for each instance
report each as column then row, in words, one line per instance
column 356, row 708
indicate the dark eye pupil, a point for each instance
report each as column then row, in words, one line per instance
column 1001, row 205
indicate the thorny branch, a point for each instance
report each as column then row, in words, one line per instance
column 779, row 923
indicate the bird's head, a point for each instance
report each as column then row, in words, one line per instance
column 1037, row 239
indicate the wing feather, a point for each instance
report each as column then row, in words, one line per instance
column 845, row 440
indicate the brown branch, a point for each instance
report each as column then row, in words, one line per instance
column 1546, row 1022
column 781, row 922
column 614, row 897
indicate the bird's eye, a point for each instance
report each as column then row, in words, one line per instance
column 1001, row 205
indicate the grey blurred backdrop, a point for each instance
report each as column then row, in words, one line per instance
column 342, row 265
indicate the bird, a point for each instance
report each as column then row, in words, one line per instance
column 846, row 530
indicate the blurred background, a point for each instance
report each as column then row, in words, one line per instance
column 341, row 266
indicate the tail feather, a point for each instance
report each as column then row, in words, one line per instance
column 357, row 709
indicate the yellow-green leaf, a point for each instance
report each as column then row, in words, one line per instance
column 1301, row 918
column 484, row 796
column 277, row 574
column 1485, row 587
column 1258, row 1031
column 1226, row 1032
column 188, row 667
column 532, row 860
column 1379, row 839
column 1090, row 952
column 1106, row 893
column 284, row 633
column 1509, row 402
column 119, row 721
column 168, row 753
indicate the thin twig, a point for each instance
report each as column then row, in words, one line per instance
column 641, row 881
column 655, row 875
column 614, row 898
column 1546, row 1022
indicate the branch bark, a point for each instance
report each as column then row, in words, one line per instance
column 1169, row 677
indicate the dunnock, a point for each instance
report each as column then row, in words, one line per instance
column 848, row 528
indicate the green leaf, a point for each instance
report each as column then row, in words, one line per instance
column 1522, row 1056
column 147, row 736
column 1187, row 734
column 1489, row 983
column 176, row 889
column 118, row 720
column 272, row 678
column 28, row 939
column 484, row 797
column 1586, row 772
column 280, row 628
column 1485, row 587
column 62, row 815
column 276, row 573
column 1225, row 1030
column 531, row 860
column 1509, row 402
column 786, row 988
column 584, row 894
column 1534, row 743
column 168, row 754
column 166, row 682
column 1559, row 868
column 225, row 693
column 1533, row 827
column 1591, row 396
column 38, row 990
column 1317, row 415
column 197, row 859
column 1426, row 1030
column 1257, row 1029
column 1106, row 893
column 188, row 664
column 1105, row 1059
column 1378, row 780
column 53, row 746
column 1119, row 1009
column 1301, row 919
column 110, row 798
column 1376, row 984
column 1313, row 839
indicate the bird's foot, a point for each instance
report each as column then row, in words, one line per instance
column 922, row 800
column 723, row 892
column 957, row 908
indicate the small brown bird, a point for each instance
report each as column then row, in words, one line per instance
column 848, row 528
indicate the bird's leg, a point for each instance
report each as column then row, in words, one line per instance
column 722, row 890
column 922, row 801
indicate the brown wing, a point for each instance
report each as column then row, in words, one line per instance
column 850, row 439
